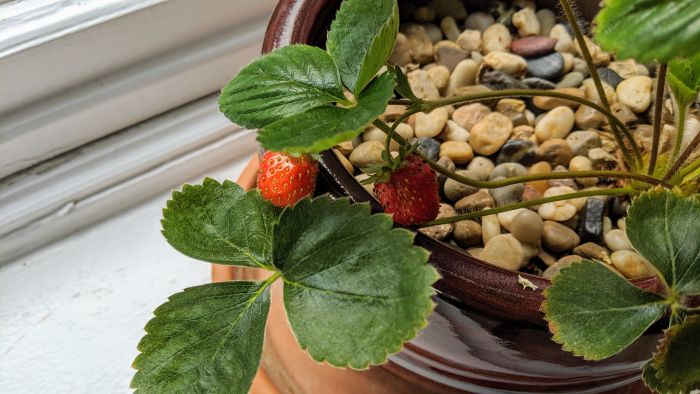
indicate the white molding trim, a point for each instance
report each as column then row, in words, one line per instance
column 60, row 94
column 101, row 179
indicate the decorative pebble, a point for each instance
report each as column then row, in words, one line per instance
column 631, row 264
column 600, row 57
column 459, row 152
column 450, row 57
column 569, row 61
column 558, row 238
column 429, row 147
column 455, row 191
column 507, row 195
column 496, row 38
column 549, row 103
column 541, row 167
column 583, row 163
column 547, row 67
column 453, row 8
column 635, row 92
column 626, row 68
column 439, row 76
column 559, row 211
column 442, row 231
column 506, row 218
column 487, row 136
column 479, row 21
column 557, row 123
column 344, row 161
column 422, row 86
column 591, row 250
column 366, row 154
column 609, row 76
column 539, row 83
column 469, row 115
column 526, row 22
column 467, row 233
column 590, row 227
column 425, row 14
column 554, row 269
column 490, row 227
column 374, row 134
column 420, row 43
column 555, row 151
column 434, row 33
column 470, row 40
column 617, row 240
column 547, row 20
column 588, row 118
column 476, row 202
column 506, row 63
column 448, row 25
column 454, row 132
column 565, row 42
column 592, row 93
column 403, row 52
column 581, row 142
column 570, row 183
column 624, row 113
column 464, row 74
column 481, row 167
column 431, row 124
column 507, row 170
column 503, row 251
column 519, row 151
column 527, row 227
column 500, row 81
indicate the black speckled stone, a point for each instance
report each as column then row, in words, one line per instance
column 610, row 77
column 500, row 81
column 619, row 206
column 430, row 147
column 518, row 151
column 590, row 225
column 539, row 83
column 546, row 67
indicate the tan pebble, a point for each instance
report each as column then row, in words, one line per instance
column 547, row 258
column 470, row 40
column 439, row 76
column 554, row 269
column 625, row 68
column 504, row 251
column 600, row 57
column 425, row 14
column 507, row 63
column 588, row 118
column 550, row 103
column 496, row 38
column 441, row 231
column 403, row 52
column 431, row 124
column 455, row 191
column 583, row 163
column 490, row 227
column 622, row 224
column 607, row 225
column 481, row 167
column 558, row 238
column 476, row 252
column 568, row 62
column 558, row 211
column 506, row 218
column 469, row 115
column 422, row 85
column 578, row 202
column 369, row 186
column 366, row 154
column 541, row 167
column 565, row 42
column 557, row 123
column 464, row 74
column 547, row 20
column 510, row 106
column 344, row 161
column 555, row 151
column 344, row 147
column 421, row 44
column 459, row 152
column 592, row 93
column 476, row 202
column 374, row 134
column 467, row 233
column 527, row 227
column 617, row 240
column 635, row 92
column 530, row 193
column 523, row 132
column 631, row 264
column 454, row 132
column 592, row 250
column 393, row 112
column 489, row 135
column 449, row 28
column 526, row 22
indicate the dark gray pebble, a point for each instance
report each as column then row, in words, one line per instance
column 547, row 67
column 590, row 226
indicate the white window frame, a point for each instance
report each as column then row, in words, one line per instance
column 81, row 141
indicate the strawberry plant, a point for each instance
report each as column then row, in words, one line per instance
column 356, row 289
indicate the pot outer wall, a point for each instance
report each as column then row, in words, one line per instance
column 487, row 334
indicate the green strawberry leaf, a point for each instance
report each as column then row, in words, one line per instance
column 206, row 339
column 402, row 85
column 362, row 38
column 684, row 79
column 595, row 313
column 663, row 227
column 322, row 128
column 650, row 30
column 677, row 364
column 354, row 289
column 221, row 223
column 283, row 83
column 650, row 379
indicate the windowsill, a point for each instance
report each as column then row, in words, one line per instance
column 73, row 312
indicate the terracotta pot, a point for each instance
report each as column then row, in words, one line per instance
column 487, row 334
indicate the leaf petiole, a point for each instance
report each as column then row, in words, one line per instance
column 658, row 112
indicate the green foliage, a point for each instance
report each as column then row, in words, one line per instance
column 402, row 85
column 677, row 364
column 205, row 222
column 206, row 339
column 650, row 30
column 354, row 288
column 322, row 128
column 283, row 83
column 362, row 38
column 684, row 79
column 664, row 228
column 596, row 313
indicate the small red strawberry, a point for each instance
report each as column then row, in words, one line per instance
column 284, row 179
column 411, row 194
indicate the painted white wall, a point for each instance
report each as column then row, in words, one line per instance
column 71, row 314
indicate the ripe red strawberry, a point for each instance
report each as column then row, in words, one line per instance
column 284, row 179
column 411, row 194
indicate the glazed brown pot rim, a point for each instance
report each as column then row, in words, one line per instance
column 464, row 277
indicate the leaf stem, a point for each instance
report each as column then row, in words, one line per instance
column 680, row 124
column 392, row 132
column 683, row 157
column 616, row 124
column 658, row 112
column 571, row 18
column 526, row 204
column 525, row 178
column 690, row 168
